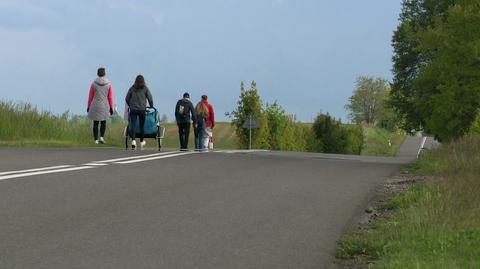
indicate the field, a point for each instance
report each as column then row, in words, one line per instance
column 25, row 126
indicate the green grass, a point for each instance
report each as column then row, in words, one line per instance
column 224, row 136
column 436, row 224
column 25, row 126
column 376, row 141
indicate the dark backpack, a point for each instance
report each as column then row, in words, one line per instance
column 184, row 109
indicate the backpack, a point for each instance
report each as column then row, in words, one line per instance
column 184, row 109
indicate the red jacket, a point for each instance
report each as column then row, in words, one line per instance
column 211, row 114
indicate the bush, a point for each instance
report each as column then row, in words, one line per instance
column 331, row 136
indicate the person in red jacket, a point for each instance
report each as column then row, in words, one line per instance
column 210, row 120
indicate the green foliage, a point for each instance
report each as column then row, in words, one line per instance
column 367, row 104
column 284, row 132
column 381, row 142
column 356, row 139
column 476, row 124
column 434, row 225
column 250, row 102
column 24, row 125
column 330, row 136
column 437, row 79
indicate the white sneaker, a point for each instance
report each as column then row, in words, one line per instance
column 96, row 142
column 134, row 145
column 142, row 144
column 102, row 140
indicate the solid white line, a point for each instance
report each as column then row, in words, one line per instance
column 96, row 164
column 34, row 170
column 45, row 172
column 135, row 157
column 155, row 158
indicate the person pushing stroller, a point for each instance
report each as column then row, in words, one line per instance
column 136, row 100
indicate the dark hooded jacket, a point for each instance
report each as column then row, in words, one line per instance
column 137, row 98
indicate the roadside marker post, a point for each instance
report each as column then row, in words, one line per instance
column 250, row 124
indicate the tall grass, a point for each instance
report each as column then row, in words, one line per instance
column 25, row 125
column 377, row 141
column 437, row 224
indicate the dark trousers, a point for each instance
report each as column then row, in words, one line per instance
column 195, row 132
column 183, row 133
column 134, row 114
column 103, row 127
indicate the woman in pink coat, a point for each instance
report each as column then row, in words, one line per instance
column 100, row 104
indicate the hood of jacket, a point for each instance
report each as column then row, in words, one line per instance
column 102, row 81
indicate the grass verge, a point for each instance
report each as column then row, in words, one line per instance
column 377, row 140
column 436, row 224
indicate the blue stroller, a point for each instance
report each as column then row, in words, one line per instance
column 152, row 128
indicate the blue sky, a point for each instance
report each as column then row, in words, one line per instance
column 306, row 54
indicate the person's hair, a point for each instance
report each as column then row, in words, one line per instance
column 202, row 109
column 204, row 97
column 101, row 72
column 186, row 95
column 139, row 82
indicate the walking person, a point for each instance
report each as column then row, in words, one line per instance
column 136, row 99
column 201, row 135
column 100, row 104
column 210, row 121
column 184, row 115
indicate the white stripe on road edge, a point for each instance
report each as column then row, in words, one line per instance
column 45, row 172
column 34, row 170
column 155, row 158
column 134, row 157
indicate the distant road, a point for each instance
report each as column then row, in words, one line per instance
column 108, row 208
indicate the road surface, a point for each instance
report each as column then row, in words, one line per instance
column 109, row 208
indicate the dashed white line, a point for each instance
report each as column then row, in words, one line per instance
column 96, row 164
column 134, row 157
column 45, row 172
column 155, row 158
column 34, row 170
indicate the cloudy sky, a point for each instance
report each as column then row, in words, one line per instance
column 306, row 54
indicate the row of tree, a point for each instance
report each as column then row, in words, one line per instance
column 280, row 131
column 436, row 85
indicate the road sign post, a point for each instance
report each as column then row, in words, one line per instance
column 251, row 123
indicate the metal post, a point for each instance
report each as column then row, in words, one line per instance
column 250, row 130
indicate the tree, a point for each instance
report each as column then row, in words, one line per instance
column 250, row 102
column 366, row 105
column 438, row 89
column 284, row 132
column 416, row 16
column 331, row 136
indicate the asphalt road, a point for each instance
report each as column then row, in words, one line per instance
column 108, row 208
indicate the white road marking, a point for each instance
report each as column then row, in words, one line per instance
column 155, row 158
column 134, row 157
column 89, row 165
column 424, row 139
column 34, row 170
column 241, row 151
column 95, row 164
column 45, row 172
